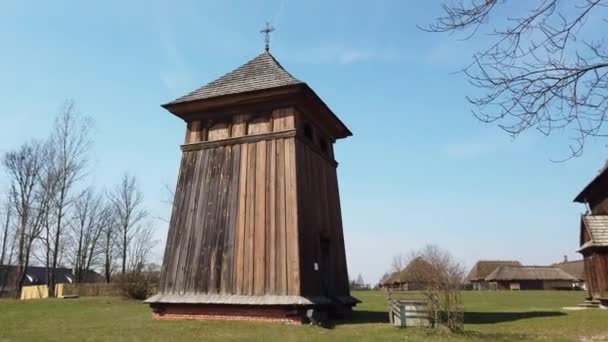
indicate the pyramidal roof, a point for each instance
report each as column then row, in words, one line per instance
column 262, row 72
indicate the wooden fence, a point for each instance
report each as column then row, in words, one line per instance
column 410, row 308
column 92, row 290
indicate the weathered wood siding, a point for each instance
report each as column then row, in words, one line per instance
column 596, row 263
column 234, row 226
column 320, row 224
column 596, row 271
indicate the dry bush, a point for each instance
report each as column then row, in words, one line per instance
column 139, row 283
column 443, row 280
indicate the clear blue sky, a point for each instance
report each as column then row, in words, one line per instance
column 419, row 168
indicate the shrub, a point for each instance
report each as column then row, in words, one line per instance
column 138, row 284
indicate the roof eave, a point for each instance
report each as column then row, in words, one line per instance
column 346, row 132
column 183, row 109
column 582, row 196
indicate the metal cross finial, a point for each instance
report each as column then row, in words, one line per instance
column 266, row 31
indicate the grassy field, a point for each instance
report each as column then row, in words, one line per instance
column 490, row 316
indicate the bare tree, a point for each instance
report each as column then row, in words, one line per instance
column 7, row 241
column 108, row 246
column 398, row 263
column 443, row 279
column 5, row 234
column 140, row 248
column 127, row 201
column 30, row 196
column 90, row 220
column 360, row 282
column 542, row 71
column 70, row 142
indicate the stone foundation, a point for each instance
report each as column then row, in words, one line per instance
column 274, row 314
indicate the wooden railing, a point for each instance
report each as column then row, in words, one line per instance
column 410, row 308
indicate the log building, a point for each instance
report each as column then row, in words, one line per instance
column 256, row 229
column 529, row 278
column 593, row 238
column 482, row 269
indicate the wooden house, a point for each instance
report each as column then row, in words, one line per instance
column 593, row 237
column 482, row 269
column 256, row 229
column 575, row 268
column 34, row 276
column 392, row 281
column 529, row 278
column 415, row 276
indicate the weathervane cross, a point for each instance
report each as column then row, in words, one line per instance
column 266, row 31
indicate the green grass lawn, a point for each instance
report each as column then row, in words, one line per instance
column 490, row 316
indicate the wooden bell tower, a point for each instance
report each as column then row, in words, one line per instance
column 256, row 229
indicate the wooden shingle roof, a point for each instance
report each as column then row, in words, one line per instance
column 262, row 72
column 597, row 227
column 507, row 273
column 483, row 268
column 594, row 183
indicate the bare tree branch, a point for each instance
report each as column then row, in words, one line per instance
column 70, row 143
column 537, row 74
column 91, row 217
column 30, row 196
column 127, row 201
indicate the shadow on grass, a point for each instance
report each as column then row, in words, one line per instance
column 360, row 317
column 370, row 317
column 498, row 317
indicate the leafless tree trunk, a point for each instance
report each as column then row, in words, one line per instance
column 90, row 220
column 127, row 201
column 7, row 248
column 70, row 141
column 108, row 247
column 6, row 234
column 398, row 263
column 140, row 248
column 30, row 197
column 544, row 70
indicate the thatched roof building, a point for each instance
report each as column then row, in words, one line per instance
column 414, row 276
column 530, row 278
column 483, row 268
column 507, row 273
column 575, row 268
column 418, row 270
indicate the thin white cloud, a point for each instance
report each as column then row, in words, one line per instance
column 469, row 149
column 278, row 17
column 484, row 145
column 338, row 53
column 175, row 74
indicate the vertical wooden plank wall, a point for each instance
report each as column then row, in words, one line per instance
column 320, row 218
column 234, row 225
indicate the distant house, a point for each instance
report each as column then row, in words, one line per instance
column 392, row 282
column 575, row 268
column 483, row 268
column 530, row 278
column 37, row 275
column 415, row 276
column 593, row 238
